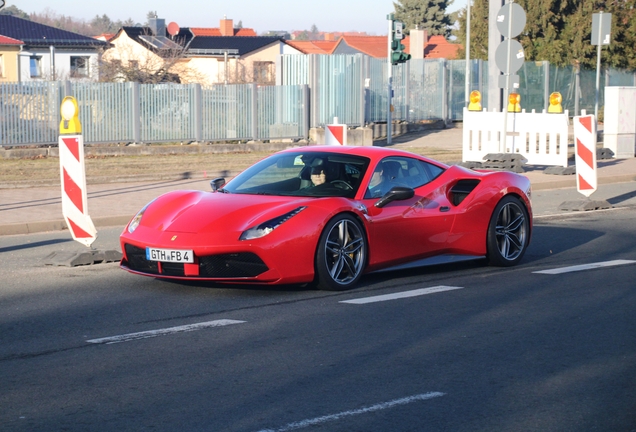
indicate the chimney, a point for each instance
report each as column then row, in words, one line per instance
column 227, row 27
column 417, row 43
column 157, row 26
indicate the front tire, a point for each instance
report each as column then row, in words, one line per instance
column 508, row 232
column 341, row 254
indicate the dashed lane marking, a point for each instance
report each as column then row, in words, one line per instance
column 333, row 417
column 400, row 295
column 161, row 332
column 585, row 267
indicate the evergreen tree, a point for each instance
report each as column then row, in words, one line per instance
column 429, row 15
column 14, row 11
column 621, row 52
column 560, row 31
column 478, row 30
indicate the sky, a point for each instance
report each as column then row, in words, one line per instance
column 262, row 15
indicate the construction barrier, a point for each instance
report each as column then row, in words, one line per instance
column 541, row 138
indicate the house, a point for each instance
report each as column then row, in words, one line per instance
column 144, row 54
column 44, row 53
column 377, row 46
column 9, row 51
column 235, row 59
column 199, row 55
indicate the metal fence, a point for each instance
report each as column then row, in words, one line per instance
column 132, row 112
column 313, row 90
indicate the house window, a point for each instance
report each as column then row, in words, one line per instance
column 263, row 72
column 35, row 63
column 79, row 66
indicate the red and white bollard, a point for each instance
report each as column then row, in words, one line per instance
column 73, row 175
column 336, row 134
column 585, row 150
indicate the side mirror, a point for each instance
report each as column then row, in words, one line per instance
column 217, row 183
column 397, row 193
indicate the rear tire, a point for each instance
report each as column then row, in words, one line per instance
column 508, row 232
column 341, row 254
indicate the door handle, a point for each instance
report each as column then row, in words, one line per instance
column 444, row 208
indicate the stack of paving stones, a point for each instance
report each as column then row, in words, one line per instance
column 504, row 162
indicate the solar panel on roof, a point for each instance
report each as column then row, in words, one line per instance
column 160, row 42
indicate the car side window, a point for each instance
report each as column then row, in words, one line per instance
column 421, row 173
column 400, row 171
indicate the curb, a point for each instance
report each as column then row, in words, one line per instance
column 60, row 225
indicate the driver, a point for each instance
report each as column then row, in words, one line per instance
column 318, row 176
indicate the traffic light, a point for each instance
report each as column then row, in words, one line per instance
column 397, row 48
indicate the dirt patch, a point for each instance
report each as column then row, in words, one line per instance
column 106, row 169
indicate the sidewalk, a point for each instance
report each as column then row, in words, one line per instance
column 38, row 209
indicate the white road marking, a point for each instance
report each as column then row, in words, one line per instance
column 585, row 267
column 403, row 294
column 377, row 407
column 160, row 332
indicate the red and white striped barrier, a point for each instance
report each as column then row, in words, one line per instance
column 585, row 150
column 74, row 196
column 336, row 134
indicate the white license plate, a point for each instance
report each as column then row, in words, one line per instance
column 169, row 255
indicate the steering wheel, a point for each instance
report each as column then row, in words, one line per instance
column 342, row 184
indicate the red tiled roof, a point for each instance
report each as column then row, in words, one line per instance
column 312, row 47
column 105, row 36
column 374, row 46
column 204, row 31
column 5, row 40
column 439, row 47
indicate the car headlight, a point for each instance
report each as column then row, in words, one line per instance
column 134, row 223
column 267, row 227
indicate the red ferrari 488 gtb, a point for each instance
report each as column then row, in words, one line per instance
column 327, row 215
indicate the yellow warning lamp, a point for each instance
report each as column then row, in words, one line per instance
column 475, row 101
column 70, row 124
column 514, row 102
column 555, row 103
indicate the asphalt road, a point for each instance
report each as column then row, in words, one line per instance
column 467, row 348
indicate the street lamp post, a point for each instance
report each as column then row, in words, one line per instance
column 467, row 74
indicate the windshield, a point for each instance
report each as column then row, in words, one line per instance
column 302, row 174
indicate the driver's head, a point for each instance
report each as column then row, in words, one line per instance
column 318, row 176
column 318, row 171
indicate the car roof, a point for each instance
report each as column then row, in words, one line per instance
column 373, row 153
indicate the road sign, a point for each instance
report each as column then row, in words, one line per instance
column 601, row 28
column 399, row 34
column 511, row 20
column 585, row 151
column 512, row 48
column 1, row 4
column 508, row 81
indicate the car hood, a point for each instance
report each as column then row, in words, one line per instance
column 201, row 212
